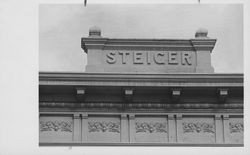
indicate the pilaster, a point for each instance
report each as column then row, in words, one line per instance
column 226, row 128
column 77, row 128
column 124, row 128
column 84, row 127
column 179, row 128
column 171, row 128
column 131, row 128
column 218, row 129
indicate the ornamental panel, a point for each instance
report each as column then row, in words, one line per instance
column 55, row 128
column 151, row 129
column 104, row 126
column 236, row 129
column 197, row 129
column 104, row 129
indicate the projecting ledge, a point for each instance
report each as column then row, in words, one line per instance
column 158, row 80
column 142, row 144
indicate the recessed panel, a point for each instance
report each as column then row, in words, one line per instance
column 104, row 129
column 236, row 129
column 151, row 129
column 55, row 129
column 197, row 129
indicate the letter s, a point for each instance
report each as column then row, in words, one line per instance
column 111, row 57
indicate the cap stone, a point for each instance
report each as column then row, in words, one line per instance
column 94, row 32
column 201, row 33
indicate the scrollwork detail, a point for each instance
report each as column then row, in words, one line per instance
column 198, row 127
column 152, row 127
column 104, row 127
column 236, row 127
column 62, row 126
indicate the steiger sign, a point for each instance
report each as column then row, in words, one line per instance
column 148, row 55
column 150, row 58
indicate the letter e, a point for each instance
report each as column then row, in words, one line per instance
column 172, row 58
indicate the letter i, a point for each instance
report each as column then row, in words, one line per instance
column 148, row 58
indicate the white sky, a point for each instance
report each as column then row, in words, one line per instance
column 62, row 26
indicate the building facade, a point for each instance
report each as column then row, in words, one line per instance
column 161, row 92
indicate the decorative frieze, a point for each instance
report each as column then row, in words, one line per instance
column 104, row 127
column 140, row 106
column 152, row 127
column 236, row 127
column 198, row 127
column 62, row 126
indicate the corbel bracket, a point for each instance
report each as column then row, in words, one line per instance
column 222, row 94
column 176, row 94
column 80, row 93
column 128, row 94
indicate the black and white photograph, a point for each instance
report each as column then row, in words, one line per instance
column 90, row 77
column 141, row 75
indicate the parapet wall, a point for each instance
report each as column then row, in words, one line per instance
column 148, row 55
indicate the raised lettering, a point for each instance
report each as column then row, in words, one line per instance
column 172, row 58
column 138, row 58
column 159, row 58
column 124, row 56
column 111, row 57
column 149, row 58
column 186, row 58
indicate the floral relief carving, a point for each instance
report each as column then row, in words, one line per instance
column 104, row 127
column 198, row 127
column 150, row 127
column 56, row 126
column 236, row 127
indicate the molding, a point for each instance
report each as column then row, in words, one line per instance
column 156, row 80
column 148, row 44
column 145, row 111
column 203, row 44
column 162, row 114
column 140, row 106
column 141, row 144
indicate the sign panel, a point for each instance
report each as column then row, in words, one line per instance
column 183, row 58
column 157, row 56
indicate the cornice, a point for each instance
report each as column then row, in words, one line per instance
column 203, row 44
column 110, row 79
column 141, row 106
column 148, row 44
